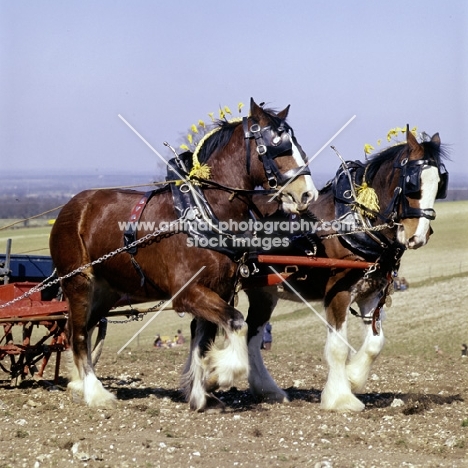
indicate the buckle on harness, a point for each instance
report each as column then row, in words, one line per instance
column 261, row 150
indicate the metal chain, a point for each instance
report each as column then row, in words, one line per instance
column 46, row 283
column 159, row 232
column 380, row 227
column 137, row 315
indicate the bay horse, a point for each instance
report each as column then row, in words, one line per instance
column 407, row 179
column 87, row 229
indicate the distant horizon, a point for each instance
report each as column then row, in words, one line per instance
column 76, row 75
column 456, row 181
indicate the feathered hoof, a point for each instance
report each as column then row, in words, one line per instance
column 239, row 325
column 103, row 402
column 343, row 403
column 75, row 389
column 75, row 386
column 211, row 383
column 357, row 387
column 96, row 396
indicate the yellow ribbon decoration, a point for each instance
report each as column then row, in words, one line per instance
column 203, row 171
column 367, row 197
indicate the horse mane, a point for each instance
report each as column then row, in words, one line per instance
column 223, row 130
column 432, row 151
column 221, row 134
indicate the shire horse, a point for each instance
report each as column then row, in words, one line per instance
column 407, row 179
column 87, row 229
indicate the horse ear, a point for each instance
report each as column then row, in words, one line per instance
column 411, row 140
column 255, row 110
column 284, row 113
column 436, row 139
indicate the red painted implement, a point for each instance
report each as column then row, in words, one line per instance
column 291, row 263
column 313, row 262
column 33, row 329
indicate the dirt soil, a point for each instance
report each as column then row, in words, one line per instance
column 416, row 415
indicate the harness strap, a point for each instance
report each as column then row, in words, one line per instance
column 130, row 233
column 235, row 191
column 247, row 136
column 268, row 164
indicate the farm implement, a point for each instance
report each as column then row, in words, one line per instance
column 34, row 322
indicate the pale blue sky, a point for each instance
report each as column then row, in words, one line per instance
column 69, row 68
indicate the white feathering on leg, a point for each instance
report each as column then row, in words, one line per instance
column 231, row 363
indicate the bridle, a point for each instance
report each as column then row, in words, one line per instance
column 271, row 144
column 409, row 186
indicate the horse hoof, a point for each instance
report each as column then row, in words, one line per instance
column 282, row 399
column 75, row 389
column 104, row 404
column 278, row 397
column 214, row 405
column 212, row 383
column 343, row 404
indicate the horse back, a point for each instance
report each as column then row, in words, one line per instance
column 91, row 224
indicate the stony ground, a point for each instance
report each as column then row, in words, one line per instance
column 416, row 403
column 416, row 415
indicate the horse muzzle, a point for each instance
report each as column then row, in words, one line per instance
column 418, row 238
column 291, row 205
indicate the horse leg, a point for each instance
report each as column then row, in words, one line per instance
column 337, row 395
column 360, row 364
column 99, row 342
column 261, row 306
column 193, row 379
column 80, row 291
column 214, row 367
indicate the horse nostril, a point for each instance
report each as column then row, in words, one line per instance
column 308, row 197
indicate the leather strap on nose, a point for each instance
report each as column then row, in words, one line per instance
column 409, row 212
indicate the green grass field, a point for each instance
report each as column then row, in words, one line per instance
column 432, row 311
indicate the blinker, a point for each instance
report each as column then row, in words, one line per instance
column 271, row 144
column 412, row 181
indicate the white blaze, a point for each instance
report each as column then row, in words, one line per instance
column 300, row 162
column 429, row 186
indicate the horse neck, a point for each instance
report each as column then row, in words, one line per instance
column 228, row 168
column 324, row 206
column 228, row 164
column 384, row 183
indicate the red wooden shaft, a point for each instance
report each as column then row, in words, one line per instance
column 313, row 262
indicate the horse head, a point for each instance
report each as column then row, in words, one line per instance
column 423, row 179
column 281, row 162
column 417, row 179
